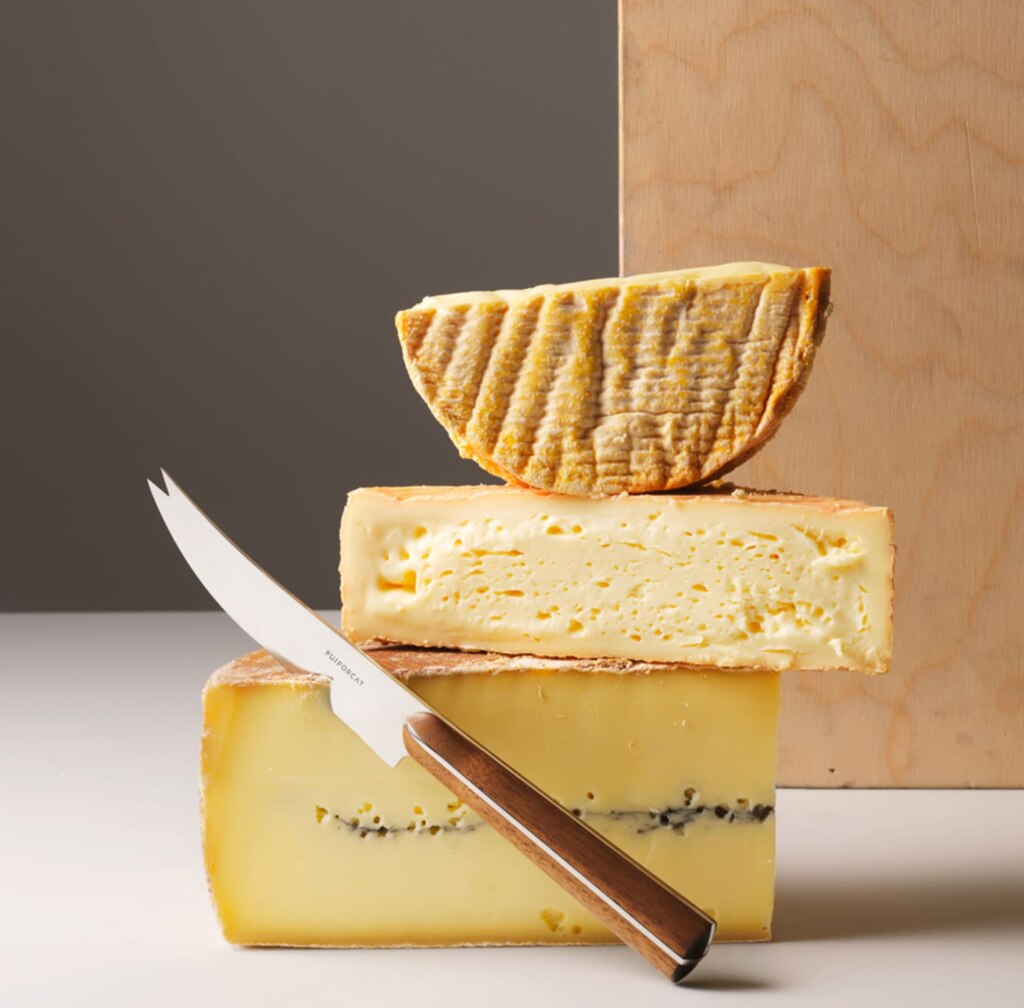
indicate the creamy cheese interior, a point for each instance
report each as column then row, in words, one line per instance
column 715, row 579
column 736, row 271
column 310, row 839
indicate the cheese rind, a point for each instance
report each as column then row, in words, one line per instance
column 629, row 384
column 309, row 839
column 733, row 580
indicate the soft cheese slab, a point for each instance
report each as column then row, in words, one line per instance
column 310, row 839
column 629, row 384
column 733, row 580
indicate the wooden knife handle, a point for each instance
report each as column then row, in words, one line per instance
column 666, row 929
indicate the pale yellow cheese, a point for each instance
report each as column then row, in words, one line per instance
column 628, row 384
column 734, row 580
column 309, row 839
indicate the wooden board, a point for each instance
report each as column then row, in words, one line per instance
column 885, row 140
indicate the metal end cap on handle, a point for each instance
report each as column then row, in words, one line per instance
column 694, row 955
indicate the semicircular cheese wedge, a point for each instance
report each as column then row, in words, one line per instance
column 623, row 385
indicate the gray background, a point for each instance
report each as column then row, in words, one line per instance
column 210, row 213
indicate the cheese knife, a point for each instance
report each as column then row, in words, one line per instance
column 657, row 922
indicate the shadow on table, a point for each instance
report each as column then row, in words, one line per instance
column 707, row 979
column 804, row 912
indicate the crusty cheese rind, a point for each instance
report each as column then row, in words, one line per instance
column 728, row 579
column 632, row 384
column 260, row 668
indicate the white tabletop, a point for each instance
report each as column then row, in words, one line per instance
column 884, row 897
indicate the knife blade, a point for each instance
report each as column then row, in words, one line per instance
column 659, row 923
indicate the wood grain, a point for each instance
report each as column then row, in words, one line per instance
column 670, row 933
column 886, row 141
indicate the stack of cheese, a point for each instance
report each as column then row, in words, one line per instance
column 619, row 647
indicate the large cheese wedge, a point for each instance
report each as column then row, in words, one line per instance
column 734, row 580
column 621, row 385
column 310, row 839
